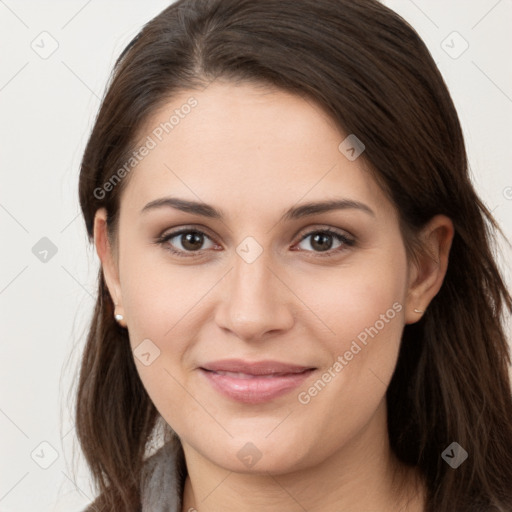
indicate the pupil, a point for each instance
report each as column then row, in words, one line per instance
column 193, row 240
column 320, row 239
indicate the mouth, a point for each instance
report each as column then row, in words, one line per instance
column 254, row 382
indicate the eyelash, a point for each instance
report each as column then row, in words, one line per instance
column 346, row 241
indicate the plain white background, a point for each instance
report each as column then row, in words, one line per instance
column 47, row 107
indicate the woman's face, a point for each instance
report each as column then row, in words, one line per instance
column 268, row 339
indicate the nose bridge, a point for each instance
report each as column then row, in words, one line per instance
column 256, row 301
column 252, row 280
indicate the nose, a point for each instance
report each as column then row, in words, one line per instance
column 256, row 303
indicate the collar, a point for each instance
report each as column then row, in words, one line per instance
column 161, row 487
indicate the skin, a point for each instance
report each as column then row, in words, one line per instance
column 254, row 152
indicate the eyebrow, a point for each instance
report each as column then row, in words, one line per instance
column 296, row 212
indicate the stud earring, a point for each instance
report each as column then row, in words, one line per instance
column 119, row 318
column 418, row 311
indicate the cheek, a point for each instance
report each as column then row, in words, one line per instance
column 366, row 313
column 358, row 301
column 166, row 306
column 363, row 307
column 161, row 306
column 159, row 296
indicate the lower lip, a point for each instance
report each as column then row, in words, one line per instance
column 258, row 389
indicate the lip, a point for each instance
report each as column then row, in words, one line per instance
column 254, row 382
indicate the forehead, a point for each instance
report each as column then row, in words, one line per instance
column 244, row 144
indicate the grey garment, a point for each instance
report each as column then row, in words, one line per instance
column 161, row 486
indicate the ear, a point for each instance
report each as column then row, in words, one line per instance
column 108, row 258
column 426, row 275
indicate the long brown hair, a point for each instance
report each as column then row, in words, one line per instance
column 371, row 71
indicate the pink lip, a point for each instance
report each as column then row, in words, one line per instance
column 254, row 382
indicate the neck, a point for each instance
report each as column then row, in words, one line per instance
column 362, row 475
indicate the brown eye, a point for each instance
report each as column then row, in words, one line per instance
column 322, row 241
column 184, row 241
column 192, row 241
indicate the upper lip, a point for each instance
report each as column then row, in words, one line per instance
column 254, row 368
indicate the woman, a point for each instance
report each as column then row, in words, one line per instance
column 298, row 306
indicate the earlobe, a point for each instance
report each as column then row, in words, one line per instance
column 108, row 261
column 429, row 269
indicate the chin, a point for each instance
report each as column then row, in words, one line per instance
column 255, row 454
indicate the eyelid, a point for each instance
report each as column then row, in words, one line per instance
column 323, row 228
column 186, row 227
column 301, row 233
